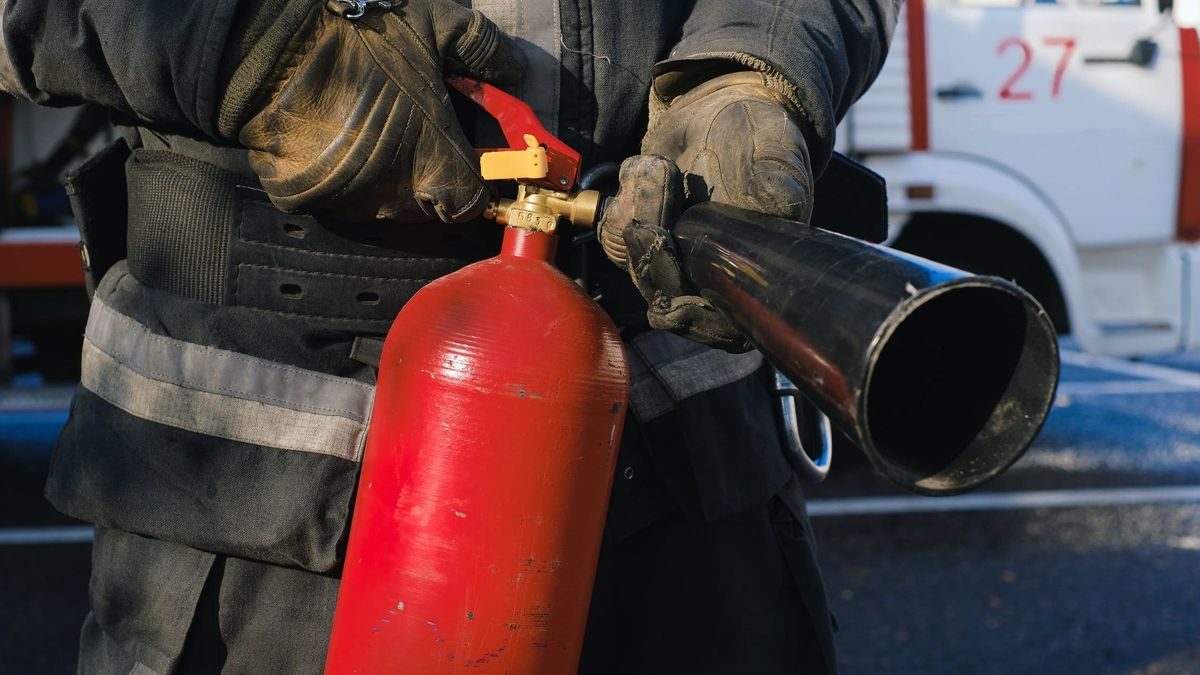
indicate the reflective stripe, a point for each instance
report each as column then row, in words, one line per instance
column 221, row 393
column 218, row 371
column 535, row 24
column 236, row 419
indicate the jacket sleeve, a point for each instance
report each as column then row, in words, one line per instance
column 826, row 51
column 158, row 62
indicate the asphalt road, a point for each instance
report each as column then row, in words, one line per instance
column 1084, row 558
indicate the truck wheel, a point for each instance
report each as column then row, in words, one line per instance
column 984, row 246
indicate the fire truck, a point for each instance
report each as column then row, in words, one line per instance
column 42, row 301
column 1055, row 143
column 1052, row 142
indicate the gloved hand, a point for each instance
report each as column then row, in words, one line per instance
column 353, row 113
column 734, row 139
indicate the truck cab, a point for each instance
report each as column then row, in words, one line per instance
column 1053, row 142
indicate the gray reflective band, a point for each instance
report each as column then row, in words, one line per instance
column 665, row 368
column 535, row 24
column 221, row 393
column 219, row 371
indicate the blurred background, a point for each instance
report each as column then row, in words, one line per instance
column 1054, row 143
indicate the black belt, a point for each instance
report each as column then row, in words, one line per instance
column 199, row 231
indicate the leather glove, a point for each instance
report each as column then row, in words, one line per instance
column 734, row 139
column 353, row 113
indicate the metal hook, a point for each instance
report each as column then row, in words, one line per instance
column 818, row 427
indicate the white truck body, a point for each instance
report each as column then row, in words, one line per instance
column 1059, row 141
column 1016, row 135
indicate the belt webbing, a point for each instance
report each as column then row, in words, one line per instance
column 181, row 212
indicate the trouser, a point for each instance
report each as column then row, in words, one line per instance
column 681, row 596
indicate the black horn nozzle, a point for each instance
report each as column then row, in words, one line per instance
column 941, row 377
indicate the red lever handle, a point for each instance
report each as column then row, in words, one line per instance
column 517, row 119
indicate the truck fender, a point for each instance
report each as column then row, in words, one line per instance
column 930, row 182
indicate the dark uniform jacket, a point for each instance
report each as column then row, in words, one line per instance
column 216, row 432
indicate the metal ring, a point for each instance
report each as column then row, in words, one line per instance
column 355, row 9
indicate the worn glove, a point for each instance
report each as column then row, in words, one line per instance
column 734, row 139
column 353, row 114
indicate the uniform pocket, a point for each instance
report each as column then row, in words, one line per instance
column 211, row 448
column 252, row 501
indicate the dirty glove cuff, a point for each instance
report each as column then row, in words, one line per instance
column 260, row 36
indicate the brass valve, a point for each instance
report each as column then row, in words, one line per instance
column 544, row 169
column 540, row 209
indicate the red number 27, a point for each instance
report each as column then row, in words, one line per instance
column 1008, row 90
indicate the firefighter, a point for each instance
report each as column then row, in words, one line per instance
column 291, row 171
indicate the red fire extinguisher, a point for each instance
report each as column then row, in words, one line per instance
column 500, row 401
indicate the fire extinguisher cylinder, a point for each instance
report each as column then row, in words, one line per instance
column 485, row 481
